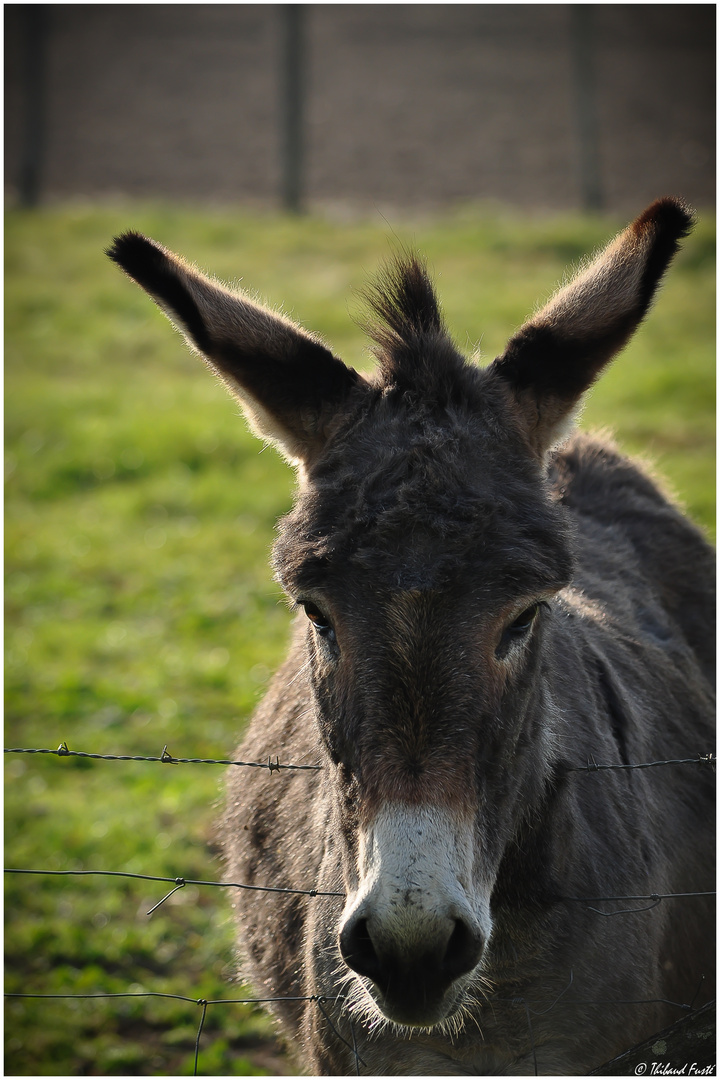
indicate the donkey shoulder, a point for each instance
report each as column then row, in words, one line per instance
column 621, row 508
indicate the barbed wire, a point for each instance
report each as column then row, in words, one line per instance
column 166, row 758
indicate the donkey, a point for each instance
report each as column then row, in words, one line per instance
column 486, row 603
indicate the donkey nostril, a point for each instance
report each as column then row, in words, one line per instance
column 358, row 951
column 463, row 951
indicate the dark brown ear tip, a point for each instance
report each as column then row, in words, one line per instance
column 669, row 215
column 131, row 248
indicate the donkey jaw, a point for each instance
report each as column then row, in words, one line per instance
column 416, row 928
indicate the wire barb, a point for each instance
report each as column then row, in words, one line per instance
column 319, row 1000
column 203, row 1002
column 180, row 883
column 699, row 988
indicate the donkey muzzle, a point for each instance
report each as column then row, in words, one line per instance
column 411, row 928
column 414, row 982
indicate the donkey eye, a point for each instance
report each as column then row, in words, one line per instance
column 321, row 622
column 524, row 621
column 518, row 629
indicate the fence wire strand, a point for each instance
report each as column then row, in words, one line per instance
column 178, row 882
column 593, row 766
column 203, row 1003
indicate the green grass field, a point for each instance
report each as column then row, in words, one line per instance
column 140, row 611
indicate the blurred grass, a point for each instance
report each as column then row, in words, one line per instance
column 139, row 607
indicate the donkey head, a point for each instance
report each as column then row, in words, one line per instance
column 423, row 552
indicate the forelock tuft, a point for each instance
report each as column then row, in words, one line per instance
column 410, row 337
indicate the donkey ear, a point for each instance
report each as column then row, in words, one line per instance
column 291, row 387
column 557, row 355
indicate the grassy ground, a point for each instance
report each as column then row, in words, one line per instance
column 139, row 608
